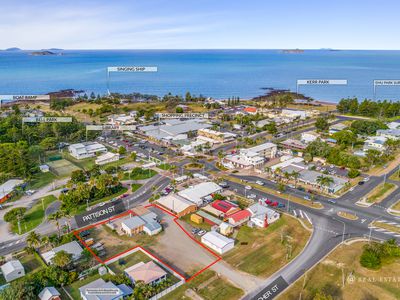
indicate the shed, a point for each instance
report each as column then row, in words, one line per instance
column 217, row 242
column 196, row 219
column 12, row 270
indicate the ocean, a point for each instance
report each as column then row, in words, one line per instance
column 214, row 73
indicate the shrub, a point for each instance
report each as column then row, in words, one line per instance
column 13, row 214
column 353, row 173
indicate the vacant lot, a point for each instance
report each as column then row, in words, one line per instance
column 208, row 286
column 327, row 277
column 128, row 261
column 262, row 251
column 62, row 167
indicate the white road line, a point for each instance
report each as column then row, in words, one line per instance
column 295, row 213
column 379, row 229
column 308, row 218
column 301, row 214
column 19, row 241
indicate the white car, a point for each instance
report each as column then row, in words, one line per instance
column 366, row 179
column 259, row 182
column 247, row 187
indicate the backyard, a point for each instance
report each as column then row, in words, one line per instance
column 263, row 251
column 120, row 265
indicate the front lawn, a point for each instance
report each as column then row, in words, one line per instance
column 34, row 216
column 263, row 251
column 120, row 265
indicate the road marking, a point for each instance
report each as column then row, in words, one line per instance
column 363, row 220
column 295, row 213
column 301, row 214
column 308, row 218
column 19, row 241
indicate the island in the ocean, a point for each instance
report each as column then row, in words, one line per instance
column 44, row 53
column 13, row 49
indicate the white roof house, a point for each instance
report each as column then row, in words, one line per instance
column 393, row 134
column 7, row 187
column 308, row 137
column 49, row 293
column 72, row 248
column 122, row 290
column 219, row 243
column 12, row 270
column 85, row 150
column 107, row 158
column 267, row 150
column 197, row 193
column 393, row 125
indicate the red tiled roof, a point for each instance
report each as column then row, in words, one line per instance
column 222, row 205
column 250, row 109
column 240, row 215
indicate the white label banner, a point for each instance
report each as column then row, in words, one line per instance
column 389, row 82
column 322, row 82
column 132, row 69
column 182, row 115
column 24, row 97
column 47, row 119
column 110, row 127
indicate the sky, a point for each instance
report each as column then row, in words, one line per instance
column 200, row 24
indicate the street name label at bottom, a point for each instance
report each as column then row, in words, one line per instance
column 273, row 290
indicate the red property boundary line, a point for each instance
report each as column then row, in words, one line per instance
column 76, row 233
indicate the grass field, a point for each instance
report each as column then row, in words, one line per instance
column 120, row 265
column 34, row 216
column 31, row 263
column 380, row 192
column 86, row 164
column 165, row 167
column 135, row 186
column 41, row 179
column 329, row 276
column 208, row 286
column 73, row 289
column 261, row 252
column 142, row 174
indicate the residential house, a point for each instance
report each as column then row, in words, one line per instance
column 122, row 290
column 8, row 187
column 375, row 143
column 250, row 110
column 393, row 134
column 262, row 215
column 225, row 207
column 215, row 136
column 72, row 248
column 336, row 128
column 225, row 228
column 49, row 293
column 149, row 273
column 12, row 270
column 308, row 137
column 219, row 243
column 238, row 218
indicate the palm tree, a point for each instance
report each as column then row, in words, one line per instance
column 33, row 239
column 324, row 181
column 295, row 175
column 55, row 217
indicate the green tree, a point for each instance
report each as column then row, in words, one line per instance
column 33, row 239
column 62, row 259
column 321, row 124
column 122, row 150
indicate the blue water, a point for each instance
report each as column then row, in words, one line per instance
column 215, row 73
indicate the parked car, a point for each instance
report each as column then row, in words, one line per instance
column 268, row 201
column 259, row 182
column 223, row 184
column 247, row 187
column 332, row 201
column 366, row 179
column 275, row 203
column 201, row 233
column 195, row 230
column 361, row 183
column 281, row 205
column 307, row 197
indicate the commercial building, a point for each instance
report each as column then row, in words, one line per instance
column 293, row 145
column 123, row 119
column 217, row 136
column 86, row 150
column 266, row 150
column 12, row 270
column 251, row 157
column 225, row 208
column 132, row 225
column 174, row 129
column 8, row 187
column 72, row 248
column 294, row 114
column 308, row 137
column 219, row 243
column 107, row 158
column 177, row 205
column 148, row 273
column 197, row 193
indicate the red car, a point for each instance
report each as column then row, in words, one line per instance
column 268, row 201
column 275, row 203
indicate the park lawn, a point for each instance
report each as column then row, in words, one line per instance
column 345, row 261
column 40, row 179
column 128, row 261
column 207, row 285
column 82, row 208
column 135, row 186
column 34, row 216
column 260, row 251
column 73, row 289
column 143, row 174
column 165, row 167
column 380, row 192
